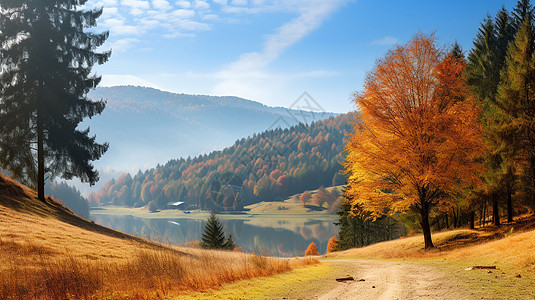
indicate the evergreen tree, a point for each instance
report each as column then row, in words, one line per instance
column 47, row 59
column 229, row 244
column 485, row 62
column 213, row 236
column 517, row 103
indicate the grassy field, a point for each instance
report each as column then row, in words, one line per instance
column 50, row 253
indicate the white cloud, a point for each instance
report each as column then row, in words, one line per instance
column 202, row 5
column 161, row 5
column 125, row 30
column 123, row 45
column 220, row 2
column 140, row 4
column 247, row 76
column 183, row 13
column 239, row 2
column 109, row 3
column 183, row 4
column 137, row 7
column 385, row 41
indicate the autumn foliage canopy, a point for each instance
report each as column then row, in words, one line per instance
column 417, row 136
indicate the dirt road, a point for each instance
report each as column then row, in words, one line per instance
column 390, row 280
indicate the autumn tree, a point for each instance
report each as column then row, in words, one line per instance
column 47, row 56
column 312, row 250
column 332, row 245
column 418, row 134
column 305, row 197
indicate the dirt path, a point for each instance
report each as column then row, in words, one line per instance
column 389, row 280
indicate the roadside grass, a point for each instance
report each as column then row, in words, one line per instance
column 290, row 285
column 47, row 252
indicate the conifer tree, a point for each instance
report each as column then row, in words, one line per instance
column 47, row 59
column 485, row 63
column 213, row 236
column 229, row 244
column 517, row 108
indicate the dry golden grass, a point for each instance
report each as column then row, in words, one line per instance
column 488, row 246
column 47, row 252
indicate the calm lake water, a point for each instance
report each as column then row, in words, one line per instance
column 276, row 237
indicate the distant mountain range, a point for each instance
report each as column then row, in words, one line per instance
column 146, row 126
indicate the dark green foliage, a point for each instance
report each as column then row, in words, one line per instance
column 516, row 130
column 269, row 166
column 486, row 62
column 69, row 196
column 229, row 244
column 47, row 60
column 213, row 236
column 358, row 229
column 153, row 207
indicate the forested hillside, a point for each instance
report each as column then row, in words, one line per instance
column 146, row 126
column 268, row 166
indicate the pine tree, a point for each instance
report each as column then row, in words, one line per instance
column 485, row 63
column 213, row 236
column 229, row 244
column 517, row 108
column 47, row 59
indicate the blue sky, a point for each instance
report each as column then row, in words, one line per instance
column 271, row 51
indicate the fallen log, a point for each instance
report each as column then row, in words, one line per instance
column 342, row 279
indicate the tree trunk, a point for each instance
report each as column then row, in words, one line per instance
column 495, row 210
column 509, row 204
column 40, row 159
column 472, row 220
column 424, row 212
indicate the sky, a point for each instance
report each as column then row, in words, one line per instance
column 271, row 51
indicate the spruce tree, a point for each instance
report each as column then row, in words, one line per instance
column 213, row 236
column 517, row 108
column 485, row 62
column 229, row 244
column 47, row 59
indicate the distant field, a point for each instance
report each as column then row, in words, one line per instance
column 289, row 208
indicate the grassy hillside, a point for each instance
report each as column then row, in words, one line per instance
column 51, row 253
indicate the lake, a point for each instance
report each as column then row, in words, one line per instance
column 275, row 236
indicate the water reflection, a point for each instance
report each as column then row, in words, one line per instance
column 286, row 237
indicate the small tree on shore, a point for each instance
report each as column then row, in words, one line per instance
column 332, row 245
column 213, row 236
column 312, row 250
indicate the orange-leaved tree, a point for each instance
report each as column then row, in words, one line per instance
column 332, row 244
column 418, row 135
column 312, row 250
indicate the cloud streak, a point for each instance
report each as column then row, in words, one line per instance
column 247, row 76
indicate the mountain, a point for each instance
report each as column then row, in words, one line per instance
column 146, row 126
column 268, row 166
